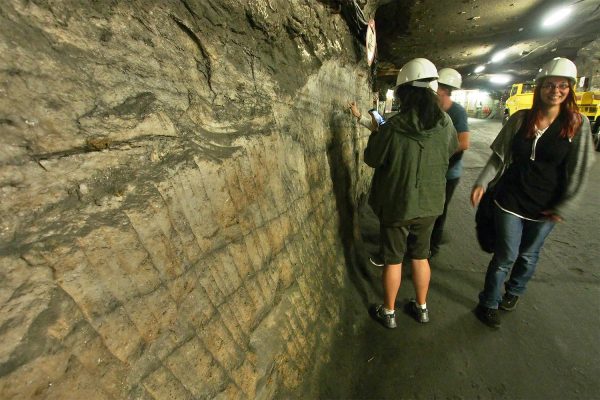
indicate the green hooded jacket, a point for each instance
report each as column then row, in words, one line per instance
column 410, row 167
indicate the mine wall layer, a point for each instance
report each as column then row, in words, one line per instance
column 171, row 180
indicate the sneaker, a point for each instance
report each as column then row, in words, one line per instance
column 376, row 261
column 387, row 320
column 488, row 316
column 509, row 302
column 421, row 315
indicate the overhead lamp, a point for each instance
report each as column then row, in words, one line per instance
column 500, row 79
column 501, row 55
column 556, row 17
column 479, row 69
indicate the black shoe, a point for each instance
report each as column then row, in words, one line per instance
column 421, row 315
column 387, row 320
column 488, row 316
column 509, row 302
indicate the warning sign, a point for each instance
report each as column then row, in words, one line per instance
column 371, row 42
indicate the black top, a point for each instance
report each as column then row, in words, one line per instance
column 529, row 187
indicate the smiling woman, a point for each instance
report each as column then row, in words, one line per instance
column 554, row 90
column 539, row 164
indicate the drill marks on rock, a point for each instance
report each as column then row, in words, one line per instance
column 226, row 286
column 200, row 325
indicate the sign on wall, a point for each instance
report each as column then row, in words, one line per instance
column 371, row 42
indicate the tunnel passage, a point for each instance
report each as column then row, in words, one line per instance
column 180, row 187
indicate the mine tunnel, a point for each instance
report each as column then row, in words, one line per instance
column 184, row 202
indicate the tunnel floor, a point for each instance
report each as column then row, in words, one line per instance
column 547, row 348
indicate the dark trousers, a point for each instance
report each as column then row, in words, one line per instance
column 438, row 227
column 518, row 245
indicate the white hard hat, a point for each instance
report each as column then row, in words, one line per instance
column 450, row 77
column 558, row 67
column 417, row 69
column 433, row 85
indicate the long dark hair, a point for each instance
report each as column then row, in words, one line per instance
column 569, row 113
column 423, row 101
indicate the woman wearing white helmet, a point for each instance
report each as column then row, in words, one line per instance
column 410, row 155
column 538, row 167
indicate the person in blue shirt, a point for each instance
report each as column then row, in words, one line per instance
column 449, row 80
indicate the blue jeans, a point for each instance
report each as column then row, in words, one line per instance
column 518, row 242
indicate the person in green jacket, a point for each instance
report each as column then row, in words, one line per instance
column 410, row 153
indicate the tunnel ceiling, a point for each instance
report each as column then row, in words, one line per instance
column 464, row 34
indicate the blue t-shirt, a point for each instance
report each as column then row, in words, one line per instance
column 458, row 115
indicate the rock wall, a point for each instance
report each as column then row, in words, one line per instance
column 172, row 177
column 588, row 59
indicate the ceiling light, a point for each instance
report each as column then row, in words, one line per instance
column 479, row 69
column 501, row 55
column 500, row 79
column 556, row 17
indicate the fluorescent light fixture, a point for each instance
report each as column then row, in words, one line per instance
column 556, row 17
column 500, row 79
column 499, row 56
column 479, row 69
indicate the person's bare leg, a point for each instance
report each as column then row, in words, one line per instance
column 390, row 279
column 421, row 274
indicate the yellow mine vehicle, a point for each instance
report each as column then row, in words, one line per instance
column 520, row 97
column 589, row 105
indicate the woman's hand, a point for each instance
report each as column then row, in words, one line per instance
column 476, row 194
column 551, row 216
column 354, row 109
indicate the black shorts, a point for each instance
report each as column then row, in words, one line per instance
column 394, row 240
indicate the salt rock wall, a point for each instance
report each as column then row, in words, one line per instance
column 172, row 176
column 587, row 61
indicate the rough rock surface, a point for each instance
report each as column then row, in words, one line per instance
column 172, row 176
column 587, row 63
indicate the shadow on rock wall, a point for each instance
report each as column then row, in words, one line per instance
column 346, row 206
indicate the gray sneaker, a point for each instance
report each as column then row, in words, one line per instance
column 421, row 315
column 387, row 320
